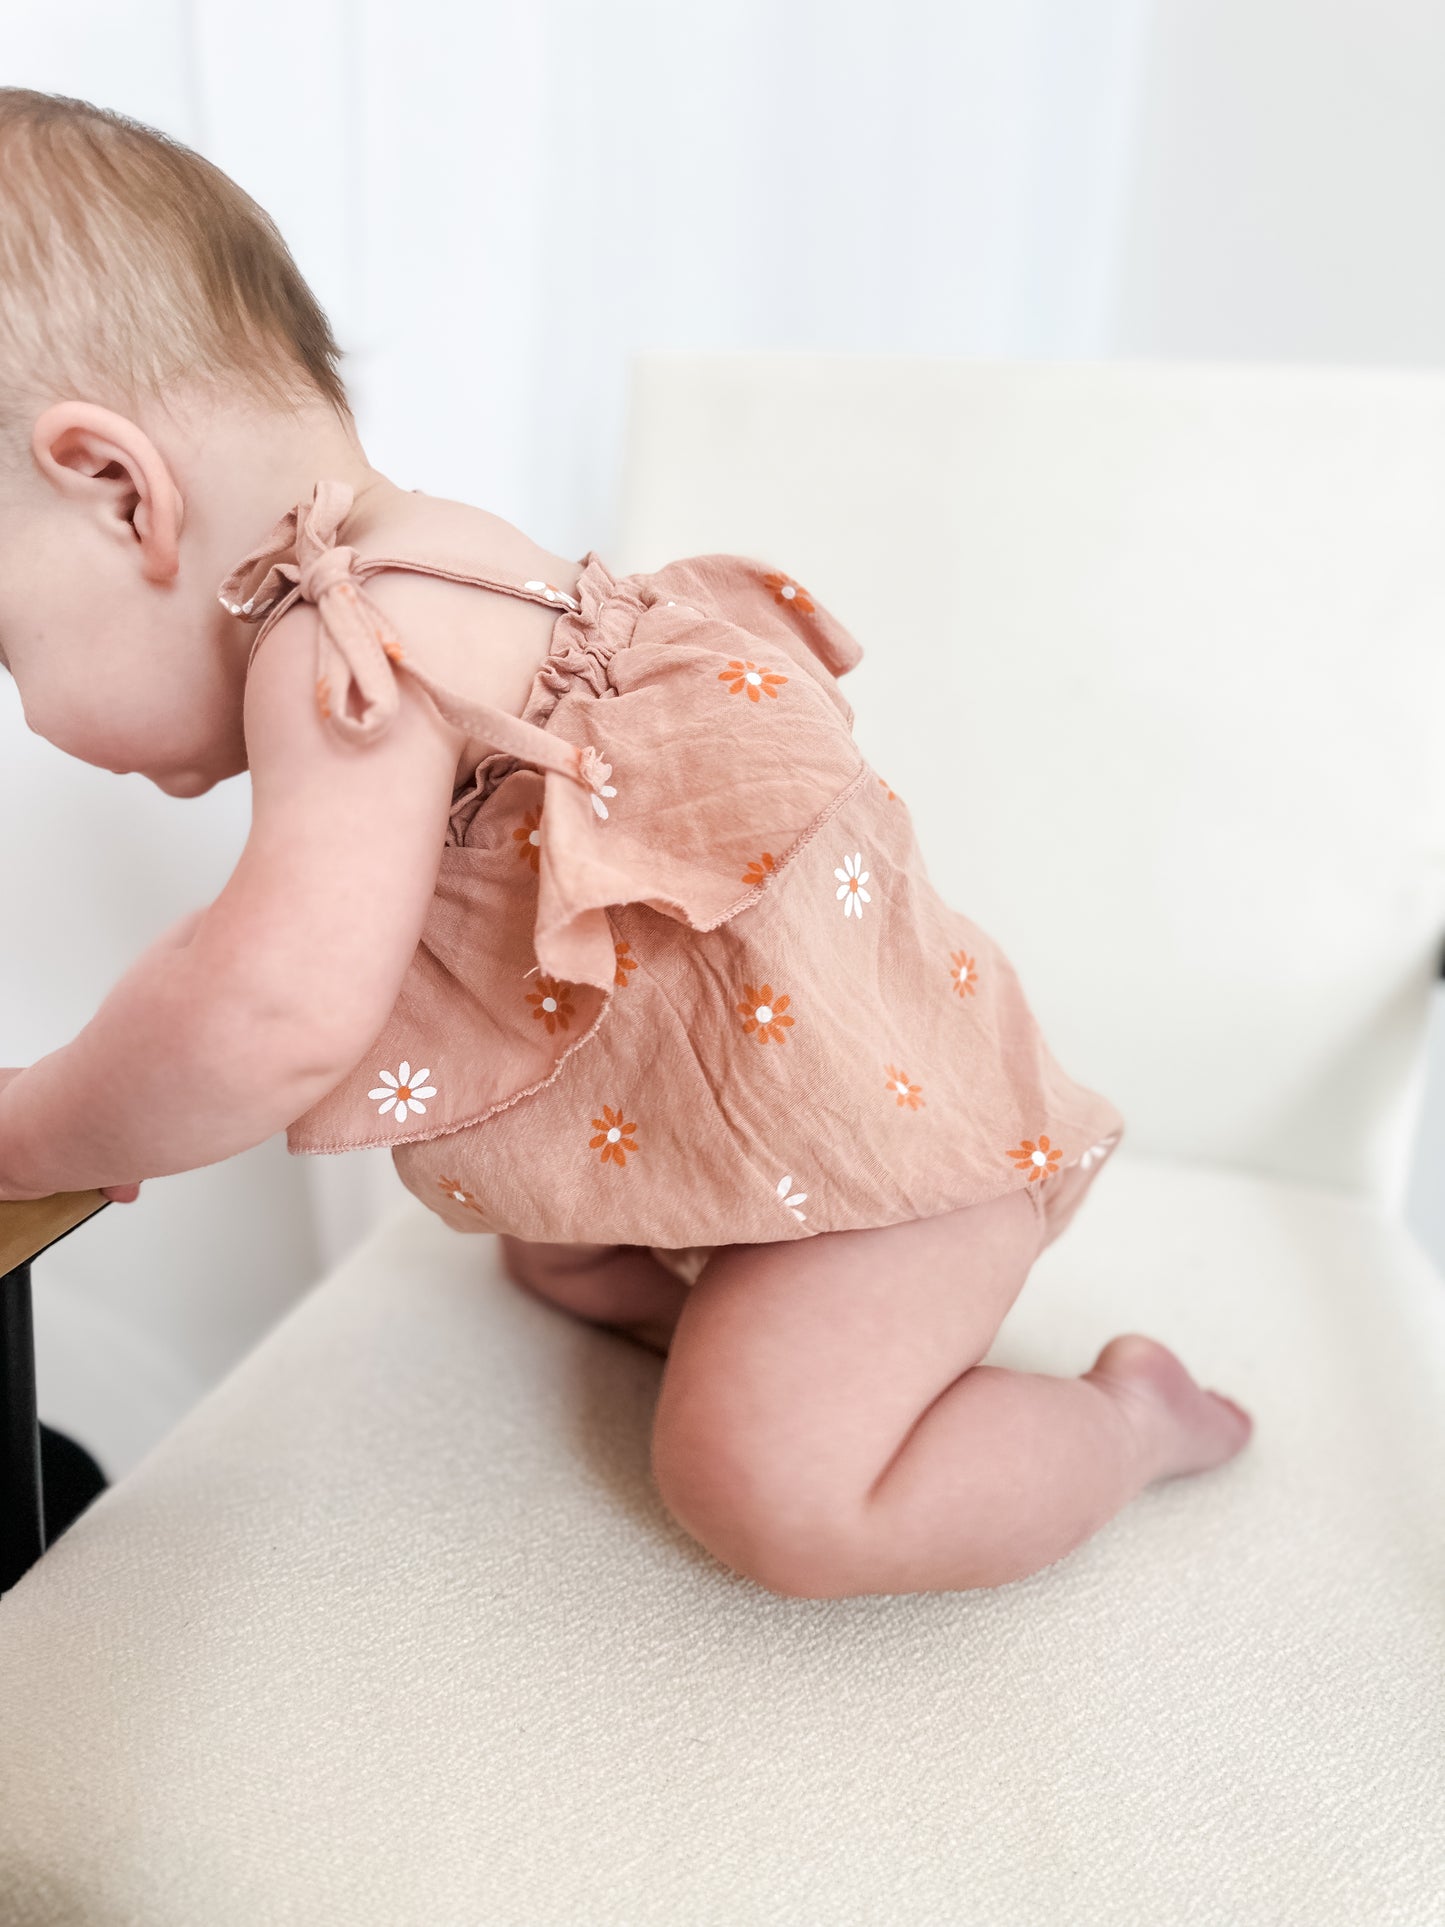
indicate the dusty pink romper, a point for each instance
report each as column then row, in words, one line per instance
column 684, row 981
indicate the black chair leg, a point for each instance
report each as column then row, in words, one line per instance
column 22, row 1511
column 70, row 1479
column 46, row 1479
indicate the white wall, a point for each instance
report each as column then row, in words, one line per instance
column 1284, row 201
column 498, row 205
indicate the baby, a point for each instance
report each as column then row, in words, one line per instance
column 572, row 887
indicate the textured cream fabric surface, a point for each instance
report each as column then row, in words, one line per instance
column 393, row 1631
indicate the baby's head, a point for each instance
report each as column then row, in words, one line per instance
column 168, row 387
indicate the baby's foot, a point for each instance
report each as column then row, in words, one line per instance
column 1181, row 1426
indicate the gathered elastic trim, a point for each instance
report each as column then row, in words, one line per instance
column 583, row 643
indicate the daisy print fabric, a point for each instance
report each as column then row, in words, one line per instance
column 746, row 678
column 689, row 980
column 792, row 1197
column 851, row 878
column 402, row 1093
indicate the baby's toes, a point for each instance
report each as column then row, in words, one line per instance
column 1182, row 1426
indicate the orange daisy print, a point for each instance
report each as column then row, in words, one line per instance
column 891, row 794
column 454, row 1190
column 760, row 869
column 1041, row 1158
column 762, row 1013
column 552, row 1004
column 614, row 1138
column 906, row 1093
column 785, row 590
column 528, row 838
column 746, row 676
column 964, row 980
column 625, row 961
column 323, row 695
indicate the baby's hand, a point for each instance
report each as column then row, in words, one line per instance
column 117, row 1193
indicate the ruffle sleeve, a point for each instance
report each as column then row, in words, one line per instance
column 700, row 704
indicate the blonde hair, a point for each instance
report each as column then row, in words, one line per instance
column 130, row 264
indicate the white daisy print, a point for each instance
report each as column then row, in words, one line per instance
column 595, row 772
column 851, row 879
column 403, row 1091
column 1096, row 1153
column 792, row 1199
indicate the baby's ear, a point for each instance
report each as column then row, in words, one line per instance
column 106, row 465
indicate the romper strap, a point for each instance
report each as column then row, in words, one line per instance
column 358, row 646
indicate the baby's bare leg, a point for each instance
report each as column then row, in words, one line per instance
column 620, row 1287
column 823, row 1425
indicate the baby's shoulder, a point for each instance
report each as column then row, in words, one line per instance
column 485, row 646
column 409, row 523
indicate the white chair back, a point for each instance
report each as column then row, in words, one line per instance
column 1155, row 652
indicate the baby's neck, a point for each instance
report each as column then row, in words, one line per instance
column 242, row 474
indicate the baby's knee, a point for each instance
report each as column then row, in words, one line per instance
column 797, row 1535
column 762, row 1542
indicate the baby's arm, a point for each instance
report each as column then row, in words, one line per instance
column 240, row 1017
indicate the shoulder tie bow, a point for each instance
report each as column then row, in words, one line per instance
column 355, row 642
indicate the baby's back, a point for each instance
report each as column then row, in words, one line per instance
column 484, row 646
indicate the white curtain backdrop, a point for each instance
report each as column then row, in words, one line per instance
column 499, row 205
